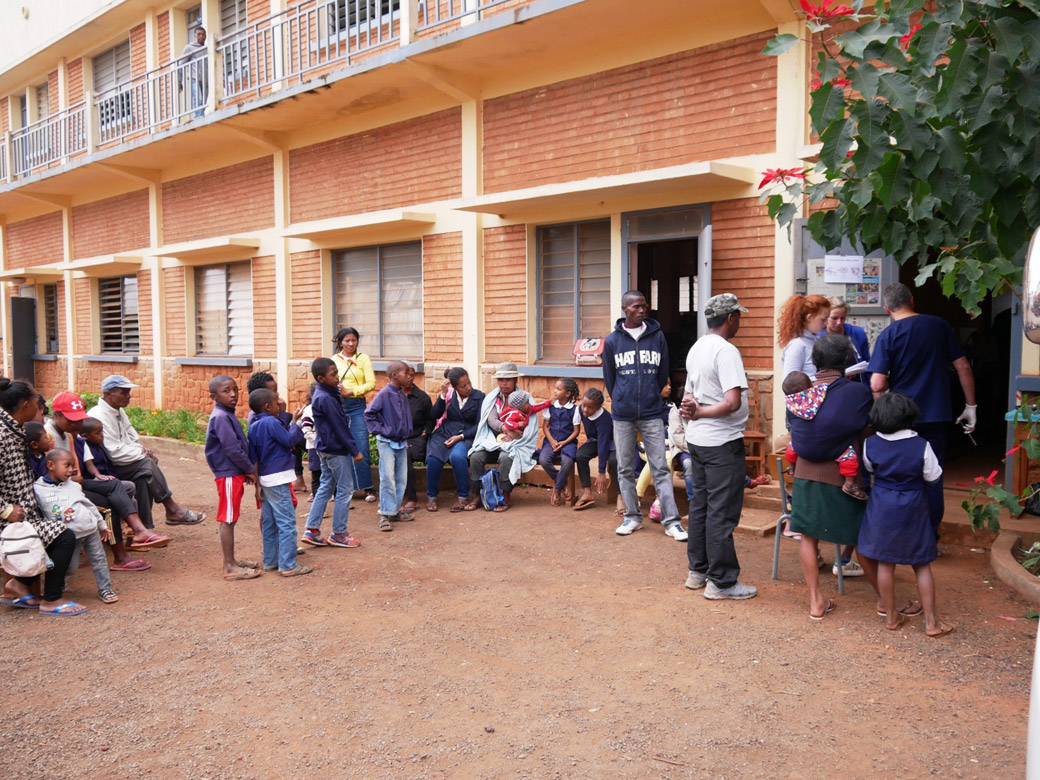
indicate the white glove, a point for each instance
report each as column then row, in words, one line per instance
column 968, row 418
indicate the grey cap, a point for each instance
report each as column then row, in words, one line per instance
column 506, row 371
column 518, row 398
column 722, row 304
column 112, row 381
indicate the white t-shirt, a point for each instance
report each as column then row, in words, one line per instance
column 797, row 356
column 636, row 332
column 714, row 366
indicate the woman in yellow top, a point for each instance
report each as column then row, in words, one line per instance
column 356, row 380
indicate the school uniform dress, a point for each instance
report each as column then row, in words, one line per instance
column 562, row 420
column 897, row 527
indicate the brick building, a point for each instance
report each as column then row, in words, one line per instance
column 464, row 181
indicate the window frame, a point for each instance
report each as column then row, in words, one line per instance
column 576, row 277
column 114, row 103
column 197, row 335
column 340, row 27
column 337, row 256
column 104, row 348
column 51, row 331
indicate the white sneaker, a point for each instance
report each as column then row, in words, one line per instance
column 696, row 580
column 739, row 591
column 675, row 530
column 628, row 527
column 850, row 569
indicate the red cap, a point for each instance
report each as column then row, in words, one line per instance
column 70, row 405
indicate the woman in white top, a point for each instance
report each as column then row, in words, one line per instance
column 802, row 319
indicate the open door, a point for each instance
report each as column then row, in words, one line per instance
column 23, row 339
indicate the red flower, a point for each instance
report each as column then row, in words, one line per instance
column 840, row 82
column 981, row 480
column 1013, row 450
column 815, row 84
column 821, row 11
column 781, row 175
column 905, row 40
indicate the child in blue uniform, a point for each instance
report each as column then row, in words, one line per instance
column 560, row 425
column 896, row 527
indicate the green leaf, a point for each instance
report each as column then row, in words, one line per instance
column 781, row 44
column 864, row 80
column 958, row 77
column 837, row 140
column 1009, row 35
column 828, row 103
column 911, row 134
column 897, row 89
column 931, row 43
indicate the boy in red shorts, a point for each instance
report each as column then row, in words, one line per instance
column 227, row 453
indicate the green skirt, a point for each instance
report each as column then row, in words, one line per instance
column 824, row 512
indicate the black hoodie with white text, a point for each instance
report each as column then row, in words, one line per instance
column 636, row 371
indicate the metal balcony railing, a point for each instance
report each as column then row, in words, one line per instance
column 291, row 44
column 152, row 100
column 47, row 140
column 3, row 159
column 436, row 12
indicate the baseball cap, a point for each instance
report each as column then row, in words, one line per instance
column 70, row 405
column 112, row 381
column 722, row 304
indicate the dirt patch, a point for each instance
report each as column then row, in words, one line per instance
column 534, row 643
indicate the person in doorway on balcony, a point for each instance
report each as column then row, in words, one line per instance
column 192, row 71
column 802, row 319
column 514, row 457
column 838, row 326
column 456, row 415
column 912, row 356
column 131, row 460
column 356, row 380
column 635, row 371
column 422, row 426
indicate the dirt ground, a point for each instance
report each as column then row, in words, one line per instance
column 532, row 644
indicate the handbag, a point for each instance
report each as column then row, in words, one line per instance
column 22, row 553
column 588, row 352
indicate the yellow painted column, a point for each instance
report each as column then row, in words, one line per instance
column 282, row 275
column 618, row 284
column 154, row 265
column 472, row 238
column 5, row 306
column 70, row 299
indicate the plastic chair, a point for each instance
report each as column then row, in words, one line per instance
column 786, row 482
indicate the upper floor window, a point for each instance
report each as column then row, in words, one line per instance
column 193, row 21
column 573, row 286
column 378, row 290
column 111, row 70
column 118, row 314
column 43, row 103
column 351, row 15
column 224, row 310
column 232, row 16
column 50, row 319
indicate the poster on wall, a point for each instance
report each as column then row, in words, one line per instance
column 856, row 279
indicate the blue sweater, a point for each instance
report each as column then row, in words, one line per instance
column 99, row 456
column 601, row 431
column 635, row 372
column 331, row 427
column 227, row 451
column 271, row 444
column 389, row 415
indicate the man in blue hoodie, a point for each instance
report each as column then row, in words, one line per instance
column 635, row 371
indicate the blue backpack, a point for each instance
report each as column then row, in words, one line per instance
column 490, row 491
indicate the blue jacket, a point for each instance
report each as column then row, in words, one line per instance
column 99, row 455
column 389, row 415
column 636, row 372
column 227, row 451
column 271, row 444
column 331, row 427
column 601, row 431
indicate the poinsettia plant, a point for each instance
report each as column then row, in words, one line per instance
column 986, row 513
column 929, row 122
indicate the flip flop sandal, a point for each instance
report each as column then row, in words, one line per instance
column 137, row 565
column 248, row 564
column 65, row 610
column 384, row 524
column 22, row 603
column 403, row 517
column 108, row 596
column 298, row 571
column 431, row 506
column 410, row 507
column 899, row 623
column 153, row 542
column 371, row 498
column 190, row 517
column 243, row 574
column 471, row 506
column 828, row 608
column 583, row 504
column 944, row 630
column 908, row 611
column 854, row 492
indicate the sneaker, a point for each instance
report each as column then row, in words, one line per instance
column 696, row 580
column 314, row 537
column 675, row 530
column 738, row 591
column 850, row 569
column 343, row 540
column 628, row 527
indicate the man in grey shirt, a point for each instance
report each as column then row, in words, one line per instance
column 192, row 65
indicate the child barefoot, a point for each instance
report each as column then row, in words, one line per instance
column 227, row 453
column 560, row 425
column 896, row 527
column 801, row 400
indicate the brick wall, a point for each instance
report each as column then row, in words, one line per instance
column 162, row 30
column 226, row 200
column 265, row 331
column 35, row 241
column 305, row 282
column 257, row 10
column 111, row 225
column 89, row 375
column 5, row 119
column 505, row 293
column 175, row 331
column 138, row 51
column 442, row 297
column 716, row 101
column 742, row 246
column 144, row 311
column 75, row 75
column 52, row 92
column 409, row 162
column 81, row 291
column 52, row 377
column 187, row 387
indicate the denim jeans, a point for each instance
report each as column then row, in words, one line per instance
column 96, row 555
column 362, row 472
column 687, row 470
column 718, row 497
column 336, row 480
column 558, row 476
column 278, row 527
column 393, row 477
column 653, row 433
column 459, row 466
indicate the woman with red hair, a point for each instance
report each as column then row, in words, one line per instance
column 802, row 319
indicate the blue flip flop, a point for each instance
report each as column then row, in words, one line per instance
column 79, row 610
column 22, row 603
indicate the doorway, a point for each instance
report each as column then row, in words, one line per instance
column 666, row 271
column 23, row 339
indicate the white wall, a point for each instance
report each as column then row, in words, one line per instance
column 30, row 26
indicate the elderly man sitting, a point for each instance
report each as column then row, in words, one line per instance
column 131, row 461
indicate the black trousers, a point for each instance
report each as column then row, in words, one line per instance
column 60, row 552
column 150, row 483
column 718, row 498
column 479, row 460
column 588, row 452
column 110, row 494
column 416, row 451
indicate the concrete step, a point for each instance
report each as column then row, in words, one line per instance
column 757, row 522
column 755, row 500
column 771, row 490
